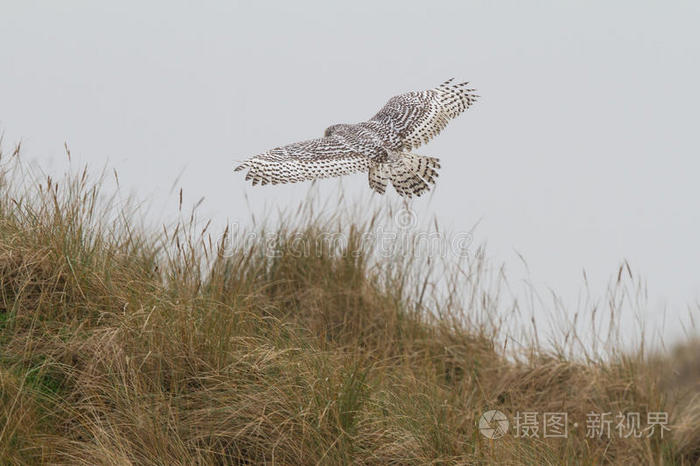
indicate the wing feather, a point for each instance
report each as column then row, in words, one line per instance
column 416, row 117
column 307, row 160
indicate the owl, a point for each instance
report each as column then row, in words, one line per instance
column 381, row 146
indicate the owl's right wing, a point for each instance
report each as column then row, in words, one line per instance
column 307, row 160
column 416, row 117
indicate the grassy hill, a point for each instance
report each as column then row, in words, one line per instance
column 121, row 344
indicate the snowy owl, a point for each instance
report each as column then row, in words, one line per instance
column 381, row 145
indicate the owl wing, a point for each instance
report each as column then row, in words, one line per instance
column 307, row 160
column 415, row 118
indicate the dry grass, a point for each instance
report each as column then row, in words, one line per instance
column 121, row 345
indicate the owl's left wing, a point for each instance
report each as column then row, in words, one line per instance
column 307, row 160
column 416, row 117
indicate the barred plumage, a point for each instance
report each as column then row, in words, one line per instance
column 380, row 145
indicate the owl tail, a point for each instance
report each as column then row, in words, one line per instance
column 411, row 175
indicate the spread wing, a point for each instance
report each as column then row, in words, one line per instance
column 307, row 160
column 415, row 118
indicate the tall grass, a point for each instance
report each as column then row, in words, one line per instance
column 123, row 344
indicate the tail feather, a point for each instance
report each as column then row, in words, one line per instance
column 411, row 175
column 379, row 176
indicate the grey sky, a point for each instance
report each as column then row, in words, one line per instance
column 584, row 149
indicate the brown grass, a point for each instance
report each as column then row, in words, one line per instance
column 122, row 345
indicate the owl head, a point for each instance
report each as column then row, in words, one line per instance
column 334, row 129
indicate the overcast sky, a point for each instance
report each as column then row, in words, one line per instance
column 583, row 151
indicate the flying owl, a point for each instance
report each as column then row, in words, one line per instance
column 381, row 146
